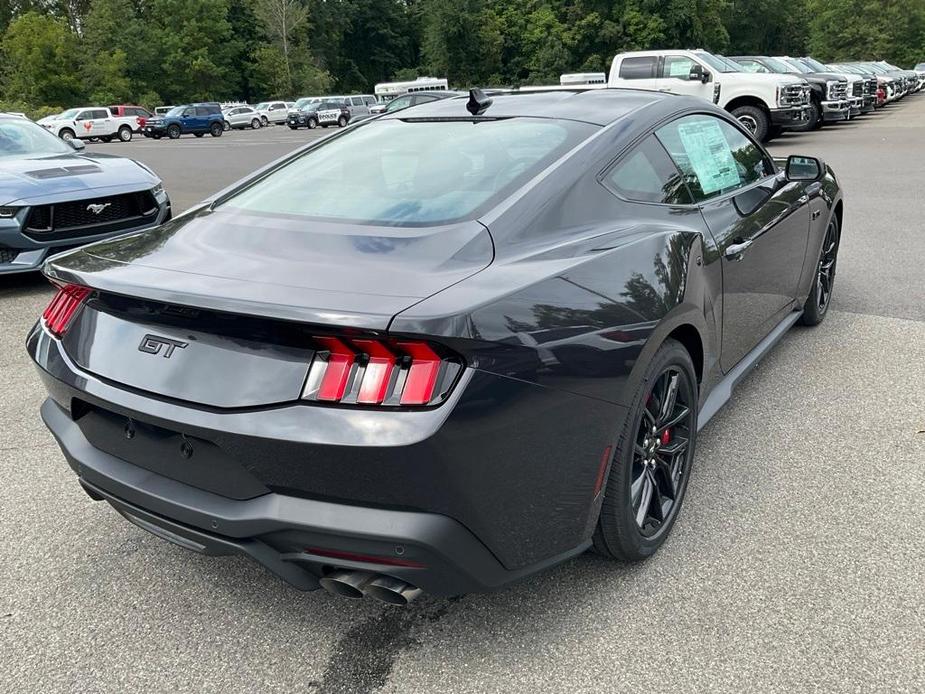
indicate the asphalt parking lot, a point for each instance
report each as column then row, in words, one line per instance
column 797, row 565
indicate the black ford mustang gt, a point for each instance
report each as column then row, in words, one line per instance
column 442, row 349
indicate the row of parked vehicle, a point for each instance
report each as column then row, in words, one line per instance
column 769, row 94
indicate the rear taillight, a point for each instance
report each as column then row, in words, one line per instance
column 369, row 371
column 62, row 308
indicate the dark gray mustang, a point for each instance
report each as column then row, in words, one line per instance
column 441, row 349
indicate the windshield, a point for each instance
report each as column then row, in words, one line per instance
column 777, row 65
column 302, row 103
column 815, row 64
column 19, row 137
column 70, row 113
column 715, row 62
column 876, row 68
column 176, row 111
column 731, row 64
column 412, row 173
column 797, row 65
column 262, row 106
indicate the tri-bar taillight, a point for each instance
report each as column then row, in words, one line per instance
column 373, row 371
column 63, row 306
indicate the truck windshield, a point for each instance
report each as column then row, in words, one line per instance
column 732, row 65
column 815, row 64
column 797, row 65
column 777, row 65
column 411, row 173
column 715, row 62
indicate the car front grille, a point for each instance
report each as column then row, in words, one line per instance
column 871, row 86
column 858, row 89
column 795, row 95
column 77, row 218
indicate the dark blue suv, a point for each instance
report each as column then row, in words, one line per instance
column 197, row 119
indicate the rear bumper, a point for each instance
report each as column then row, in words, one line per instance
column 794, row 116
column 495, row 484
column 278, row 531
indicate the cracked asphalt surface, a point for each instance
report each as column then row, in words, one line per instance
column 796, row 565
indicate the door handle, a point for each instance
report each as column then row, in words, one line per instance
column 735, row 251
column 816, row 214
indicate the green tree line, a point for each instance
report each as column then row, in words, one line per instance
column 57, row 53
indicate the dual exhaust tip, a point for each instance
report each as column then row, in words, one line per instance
column 359, row 584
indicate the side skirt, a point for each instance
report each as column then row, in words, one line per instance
column 723, row 390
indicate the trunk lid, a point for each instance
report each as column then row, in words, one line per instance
column 218, row 308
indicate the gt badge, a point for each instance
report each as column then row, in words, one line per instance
column 152, row 344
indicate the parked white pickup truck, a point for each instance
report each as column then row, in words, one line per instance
column 90, row 122
column 765, row 104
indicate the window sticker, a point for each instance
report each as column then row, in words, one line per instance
column 679, row 67
column 709, row 154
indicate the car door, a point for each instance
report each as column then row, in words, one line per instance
column 759, row 223
column 103, row 123
column 84, row 123
column 674, row 77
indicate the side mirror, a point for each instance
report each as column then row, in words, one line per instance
column 77, row 144
column 800, row 168
column 698, row 74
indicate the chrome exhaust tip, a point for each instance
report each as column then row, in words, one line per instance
column 346, row 584
column 392, row 591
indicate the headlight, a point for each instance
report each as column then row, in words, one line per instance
column 830, row 89
column 157, row 190
column 7, row 212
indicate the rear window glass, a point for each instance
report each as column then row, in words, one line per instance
column 638, row 68
column 407, row 173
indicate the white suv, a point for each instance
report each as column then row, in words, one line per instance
column 764, row 103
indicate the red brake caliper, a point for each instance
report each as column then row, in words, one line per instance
column 666, row 437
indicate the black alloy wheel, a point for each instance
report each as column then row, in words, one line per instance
column 660, row 452
column 651, row 464
column 820, row 296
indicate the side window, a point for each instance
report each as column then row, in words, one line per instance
column 678, row 66
column 202, row 111
column 638, row 68
column 370, row 100
column 100, row 113
column 647, row 174
column 356, row 101
column 714, row 156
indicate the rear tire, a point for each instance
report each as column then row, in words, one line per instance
column 755, row 120
column 255, row 124
column 216, row 130
column 649, row 473
column 125, row 133
column 342, row 121
column 173, row 131
column 820, row 296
